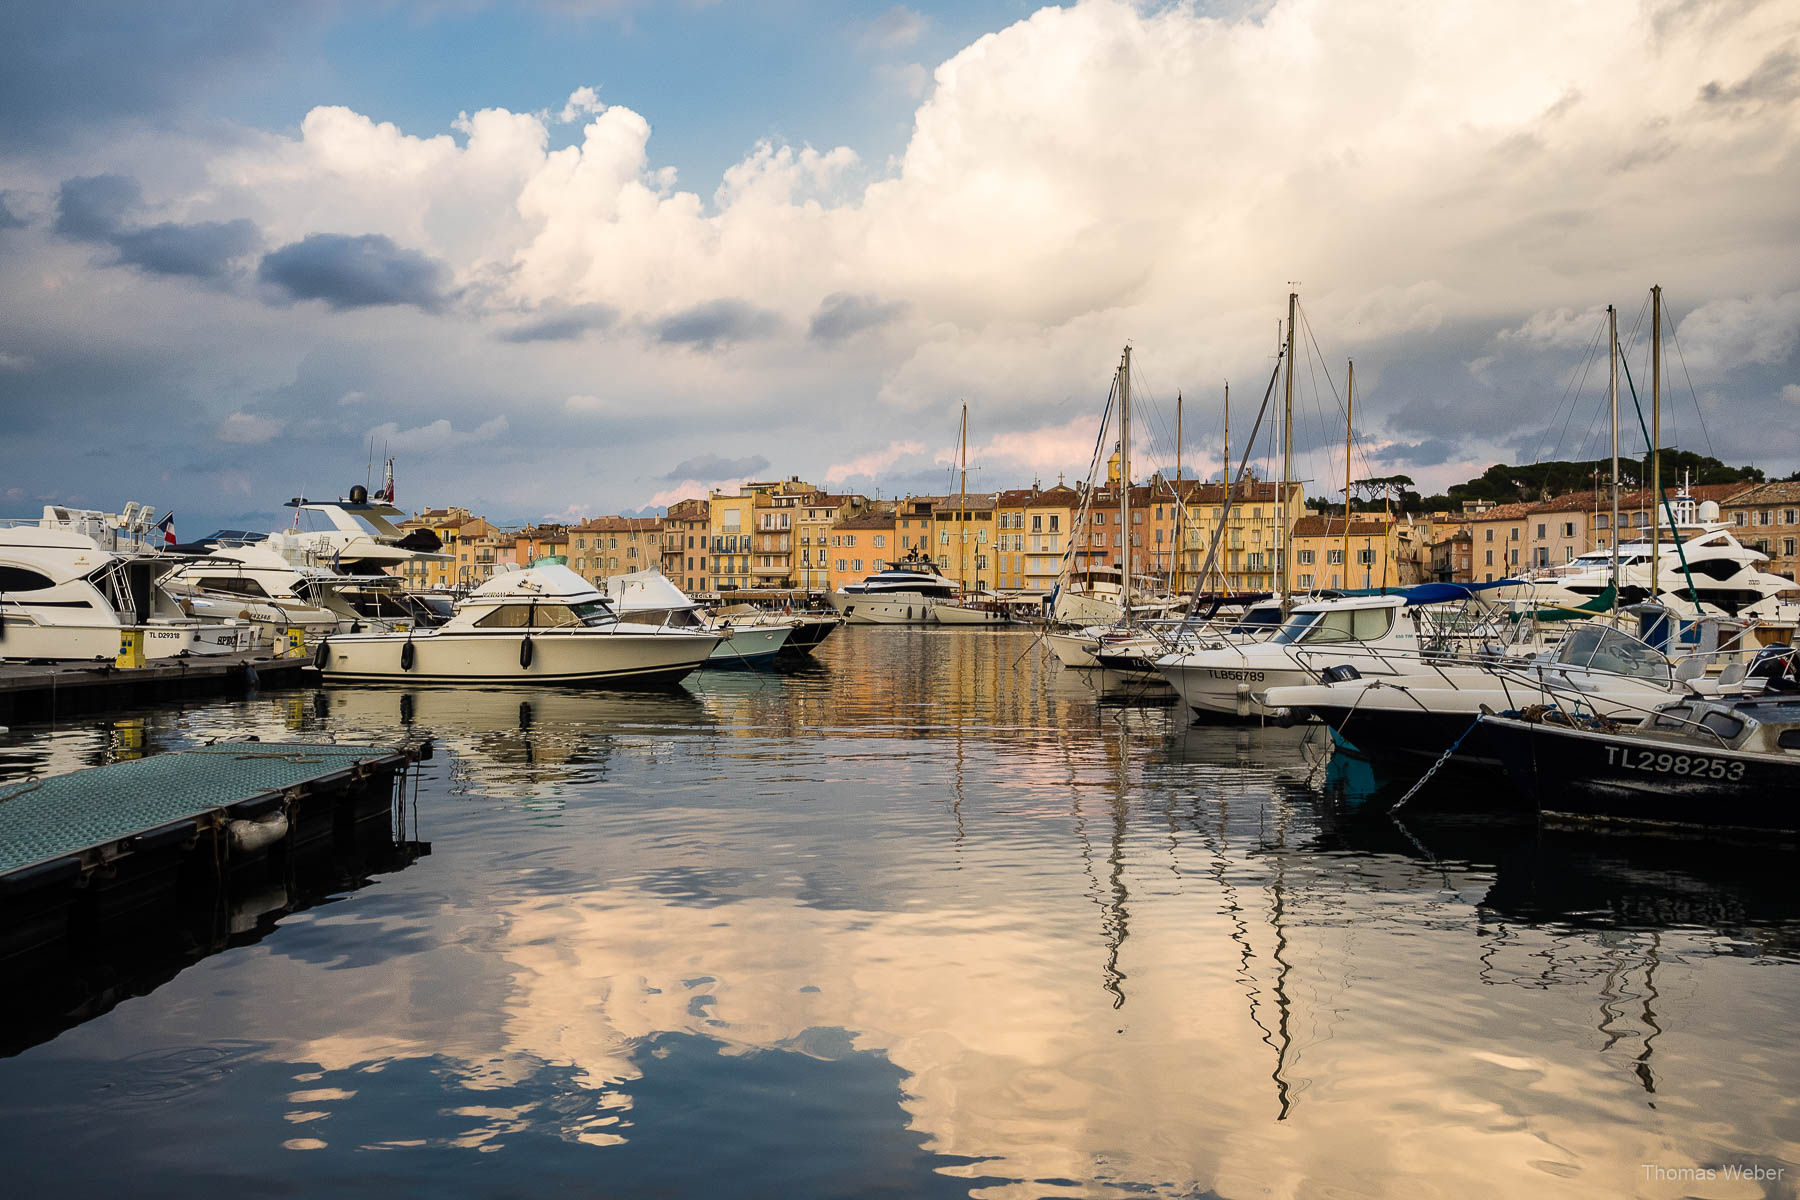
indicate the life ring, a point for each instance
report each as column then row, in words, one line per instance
column 322, row 655
column 525, row 653
column 407, row 655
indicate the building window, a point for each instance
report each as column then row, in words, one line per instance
column 1037, row 522
column 1304, row 557
column 841, row 567
column 1334, row 557
column 1365, row 557
column 1568, row 529
column 1739, row 519
column 1490, row 535
column 1490, row 561
column 1053, row 520
column 1540, row 531
column 858, row 565
column 880, row 542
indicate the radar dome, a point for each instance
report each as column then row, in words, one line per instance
column 1709, row 510
column 359, row 494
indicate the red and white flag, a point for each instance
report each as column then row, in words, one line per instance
column 167, row 525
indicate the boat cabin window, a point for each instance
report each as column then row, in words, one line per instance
column 233, row 585
column 1724, row 724
column 1680, row 716
column 1603, row 649
column 1788, row 739
column 18, row 579
column 547, row 616
column 1337, row 625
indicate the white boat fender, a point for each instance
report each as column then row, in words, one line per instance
column 249, row 837
column 525, row 652
column 1243, row 699
column 407, row 655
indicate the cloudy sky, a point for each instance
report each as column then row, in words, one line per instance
column 584, row 256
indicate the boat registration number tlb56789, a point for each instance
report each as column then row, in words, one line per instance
column 1668, row 763
column 1230, row 673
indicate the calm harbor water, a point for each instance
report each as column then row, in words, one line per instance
column 927, row 916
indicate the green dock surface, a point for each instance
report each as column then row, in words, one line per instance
column 48, row 819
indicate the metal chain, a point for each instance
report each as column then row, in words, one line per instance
column 1442, row 759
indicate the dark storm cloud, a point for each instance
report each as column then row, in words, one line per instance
column 355, row 272
column 711, row 466
column 563, row 324
column 717, row 323
column 68, row 65
column 97, row 208
column 843, row 314
column 93, row 208
column 204, row 251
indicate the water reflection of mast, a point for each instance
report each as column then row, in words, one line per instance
column 1277, row 910
column 1115, row 925
column 1240, row 933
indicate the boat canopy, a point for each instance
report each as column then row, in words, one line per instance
column 648, row 590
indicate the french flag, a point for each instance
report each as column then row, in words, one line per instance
column 167, row 525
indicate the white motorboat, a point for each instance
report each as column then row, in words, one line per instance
column 1138, row 648
column 1381, row 636
column 904, row 594
column 980, row 609
column 63, row 595
column 650, row 597
column 1597, row 668
column 542, row 624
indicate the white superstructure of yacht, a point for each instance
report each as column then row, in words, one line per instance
column 903, row 594
column 1700, row 554
column 65, row 595
column 257, row 583
column 542, row 624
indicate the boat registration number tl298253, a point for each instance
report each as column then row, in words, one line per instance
column 1667, row 762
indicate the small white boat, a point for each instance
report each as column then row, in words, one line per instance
column 542, row 624
column 650, row 597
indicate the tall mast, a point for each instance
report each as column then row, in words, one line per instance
column 1656, row 504
column 1225, row 478
column 1349, row 424
column 1612, row 341
column 1175, row 575
column 1125, row 481
column 962, row 499
column 1287, row 458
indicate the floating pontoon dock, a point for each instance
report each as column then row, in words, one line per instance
column 41, row 691
column 88, row 846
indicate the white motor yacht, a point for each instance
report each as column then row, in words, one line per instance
column 65, row 595
column 650, row 597
column 1700, row 560
column 903, row 594
column 256, row 583
column 1096, row 598
column 541, row 624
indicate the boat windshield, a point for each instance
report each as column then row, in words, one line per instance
column 1599, row 648
column 588, row 614
column 1336, row 625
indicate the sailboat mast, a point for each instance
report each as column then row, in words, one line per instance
column 1349, row 424
column 962, row 499
column 1656, row 504
column 1225, row 478
column 1125, row 482
column 1175, row 575
column 1612, row 341
column 1287, row 459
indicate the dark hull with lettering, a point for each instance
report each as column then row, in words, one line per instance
column 1583, row 775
